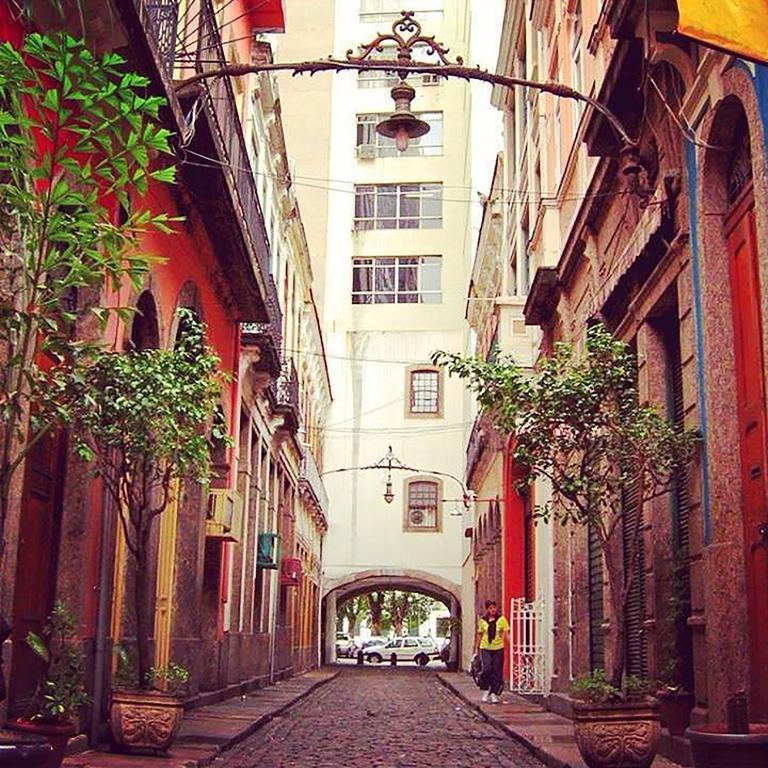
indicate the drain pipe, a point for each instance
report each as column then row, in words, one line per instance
column 102, row 615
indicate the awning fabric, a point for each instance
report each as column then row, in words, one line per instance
column 737, row 26
column 267, row 15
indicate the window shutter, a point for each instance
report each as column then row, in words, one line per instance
column 595, row 565
column 637, row 651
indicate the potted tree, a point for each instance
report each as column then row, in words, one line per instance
column 59, row 698
column 577, row 422
column 143, row 423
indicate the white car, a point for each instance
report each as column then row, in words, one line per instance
column 418, row 649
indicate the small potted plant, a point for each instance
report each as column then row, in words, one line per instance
column 61, row 694
column 615, row 727
column 675, row 702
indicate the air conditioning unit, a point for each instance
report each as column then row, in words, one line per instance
column 290, row 572
column 223, row 515
column 430, row 79
column 366, row 151
column 268, row 551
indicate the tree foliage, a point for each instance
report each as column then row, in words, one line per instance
column 577, row 421
column 143, row 418
column 79, row 138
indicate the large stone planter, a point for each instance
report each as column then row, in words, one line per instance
column 713, row 747
column 57, row 735
column 144, row 720
column 624, row 735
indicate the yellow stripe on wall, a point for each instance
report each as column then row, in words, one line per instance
column 737, row 26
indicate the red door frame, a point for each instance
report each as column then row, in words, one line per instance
column 752, row 424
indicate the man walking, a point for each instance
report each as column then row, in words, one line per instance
column 492, row 631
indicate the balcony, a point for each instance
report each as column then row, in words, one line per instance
column 267, row 337
column 284, row 396
column 311, row 485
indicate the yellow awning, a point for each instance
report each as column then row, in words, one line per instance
column 736, row 26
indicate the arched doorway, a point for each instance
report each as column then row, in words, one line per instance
column 339, row 590
column 732, row 255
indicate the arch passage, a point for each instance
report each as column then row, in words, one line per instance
column 337, row 591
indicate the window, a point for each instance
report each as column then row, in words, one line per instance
column 424, row 389
column 411, row 642
column 423, row 500
column 399, row 206
column 396, row 280
column 577, row 74
column 386, row 10
column 429, row 144
column 379, row 78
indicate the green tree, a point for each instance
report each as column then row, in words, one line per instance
column 79, row 136
column 142, row 419
column 578, row 422
column 353, row 610
column 376, row 602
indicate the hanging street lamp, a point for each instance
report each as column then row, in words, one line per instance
column 402, row 125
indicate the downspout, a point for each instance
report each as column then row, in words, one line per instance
column 103, row 614
column 693, row 206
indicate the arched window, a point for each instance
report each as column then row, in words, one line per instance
column 423, row 503
column 145, row 333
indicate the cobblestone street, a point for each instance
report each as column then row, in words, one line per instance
column 379, row 718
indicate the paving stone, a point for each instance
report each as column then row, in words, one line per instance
column 379, row 718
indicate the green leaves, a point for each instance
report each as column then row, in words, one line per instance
column 78, row 136
column 578, row 422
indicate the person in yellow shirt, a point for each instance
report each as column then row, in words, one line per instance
column 492, row 632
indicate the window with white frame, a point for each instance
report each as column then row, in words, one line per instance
column 385, row 10
column 424, row 396
column 379, row 78
column 399, row 206
column 397, row 280
column 423, row 510
column 382, row 146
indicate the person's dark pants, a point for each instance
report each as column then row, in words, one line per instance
column 493, row 671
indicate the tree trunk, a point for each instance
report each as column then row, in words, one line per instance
column 619, row 620
column 140, row 605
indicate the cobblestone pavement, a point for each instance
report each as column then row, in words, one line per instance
column 380, row 718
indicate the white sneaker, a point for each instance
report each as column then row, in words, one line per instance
column 494, row 699
column 486, row 696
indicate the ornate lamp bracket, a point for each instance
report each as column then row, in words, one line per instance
column 406, row 35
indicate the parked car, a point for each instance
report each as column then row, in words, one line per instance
column 417, row 649
column 345, row 646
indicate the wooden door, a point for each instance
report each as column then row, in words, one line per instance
column 751, row 407
column 35, row 586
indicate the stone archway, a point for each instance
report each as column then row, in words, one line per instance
column 336, row 591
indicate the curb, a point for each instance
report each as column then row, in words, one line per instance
column 261, row 722
column 538, row 752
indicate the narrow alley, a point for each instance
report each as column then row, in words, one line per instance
column 380, row 718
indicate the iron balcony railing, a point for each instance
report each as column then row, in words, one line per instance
column 199, row 31
column 287, row 386
column 309, row 478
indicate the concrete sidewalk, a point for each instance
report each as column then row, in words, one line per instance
column 208, row 731
column 547, row 735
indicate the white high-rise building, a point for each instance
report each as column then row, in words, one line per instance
column 395, row 233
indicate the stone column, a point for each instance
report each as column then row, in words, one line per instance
column 454, row 660
column 330, row 629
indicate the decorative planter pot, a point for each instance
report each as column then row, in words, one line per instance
column 144, row 720
column 675, row 710
column 713, row 747
column 624, row 735
column 23, row 750
column 57, row 735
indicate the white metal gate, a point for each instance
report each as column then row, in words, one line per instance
column 528, row 672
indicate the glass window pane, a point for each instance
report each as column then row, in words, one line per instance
column 408, row 278
column 424, row 392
